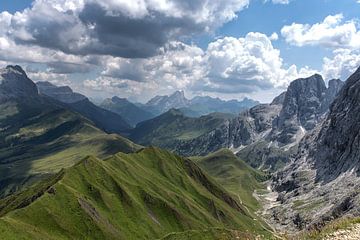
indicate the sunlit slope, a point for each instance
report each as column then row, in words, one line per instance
column 38, row 138
column 146, row 195
column 234, row 175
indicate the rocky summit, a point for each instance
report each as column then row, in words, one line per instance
column 267, row 134
column 161, row 104
column 305, row 103
column 14, row 83
column 322, row 181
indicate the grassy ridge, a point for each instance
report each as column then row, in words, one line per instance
column 234, row 175
column 144, row 195
column 38, row 138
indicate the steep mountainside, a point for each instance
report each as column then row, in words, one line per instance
column 109, row 199
column 39, row 136
column 267, row 134
column 171, row 128
column 14, row 83
column 129, row 111
column 234, row 175
column 248, row 127
column 323, row 178
column 102, row 118
column 305, row 103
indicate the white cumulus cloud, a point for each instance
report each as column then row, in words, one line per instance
column 342, row 64
column 332, row 32
column 228, row 66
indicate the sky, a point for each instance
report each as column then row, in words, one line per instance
column 138, row 49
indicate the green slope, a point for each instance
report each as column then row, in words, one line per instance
column 39, row 137
column 234, row 175
column 146, row 195
column 173, row 126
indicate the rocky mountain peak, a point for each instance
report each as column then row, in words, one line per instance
column 302, row 109
column 326, row 168
column 117, row 99
column 165, row 103
column 15, row 83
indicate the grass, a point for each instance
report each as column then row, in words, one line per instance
column 41, row 138
column 234, row 174
column 151, row 194
column 173, row 126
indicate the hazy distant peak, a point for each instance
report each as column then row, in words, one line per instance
column 63, row 93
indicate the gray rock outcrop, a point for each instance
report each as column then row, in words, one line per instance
column 322, row 182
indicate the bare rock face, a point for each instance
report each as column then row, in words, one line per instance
column 14, row 83
column 338, row 143
column 301, row 109
column 322, row 182
column 335, row 85
column 267, row 134
column 248, row 127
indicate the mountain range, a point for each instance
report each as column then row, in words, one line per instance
column 196, row 107
column 173, row 127
column 267, row 134
column 253, row 172
column 64, row 178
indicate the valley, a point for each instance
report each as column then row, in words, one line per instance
column 179, row 120
column 265, row 173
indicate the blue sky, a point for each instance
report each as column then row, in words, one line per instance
column 14, row 5
column 105, row 48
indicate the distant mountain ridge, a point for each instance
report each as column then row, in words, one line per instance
column 161, row 104
column 129, row 111
column 104, row 119
column 198, row 106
